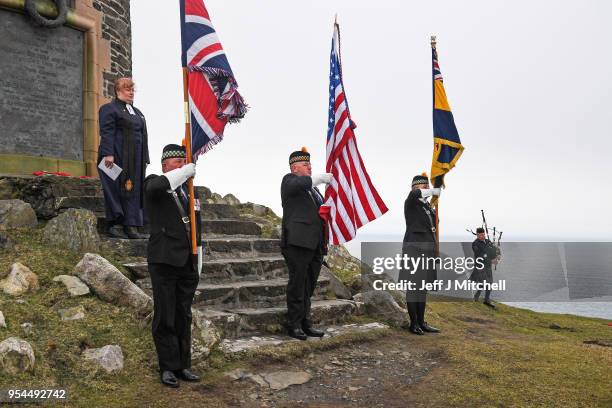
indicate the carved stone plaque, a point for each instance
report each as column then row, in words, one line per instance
column 41, row 89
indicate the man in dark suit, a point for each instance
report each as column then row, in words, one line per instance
column 483, row 248
column 302, row 240
column 419, row 242
column 173, row 269
column 123, row 142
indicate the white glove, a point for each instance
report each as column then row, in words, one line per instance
column 177, row 177
column 199, row 260
column 321, row 178
column 428, row 192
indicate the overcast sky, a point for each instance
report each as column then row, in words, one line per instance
column 527, row 82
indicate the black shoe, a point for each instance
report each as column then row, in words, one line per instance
column 187, row 375
column 168, row 378
column 429, row 329
column 309, row 331
column 116, row 231
column 133, row 233
column 297, row 334
column 488, row 303
column 414, row 329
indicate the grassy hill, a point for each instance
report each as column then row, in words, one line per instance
column 508, row 357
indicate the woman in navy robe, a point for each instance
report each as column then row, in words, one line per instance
column 123, row 142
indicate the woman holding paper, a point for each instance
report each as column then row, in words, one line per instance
column 123, row 145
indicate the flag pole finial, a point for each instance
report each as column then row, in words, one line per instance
column 433, row 41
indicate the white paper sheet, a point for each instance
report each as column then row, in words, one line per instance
column 113, row 172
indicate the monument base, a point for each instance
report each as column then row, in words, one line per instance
column 21, row 164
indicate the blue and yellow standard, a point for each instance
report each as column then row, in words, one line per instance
column 447, row 145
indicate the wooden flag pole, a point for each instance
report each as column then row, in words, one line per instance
column 194, row 249
column 433, row 45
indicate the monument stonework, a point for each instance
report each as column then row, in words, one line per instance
column 53, row 80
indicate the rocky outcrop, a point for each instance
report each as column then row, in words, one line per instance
column 75, row 229
column 74, row 285
column 336, row 286
column 381, row 304
column 108, row 358
column 111, row 286
column 16, row 214
column 20, row 280
column 16, row 356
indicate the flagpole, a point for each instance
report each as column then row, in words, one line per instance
column 433, row 46
column 190, row 189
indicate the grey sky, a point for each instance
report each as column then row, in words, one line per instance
column 526, row 80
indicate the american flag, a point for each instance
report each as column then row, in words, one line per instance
column 351, row 196
column 213, row 91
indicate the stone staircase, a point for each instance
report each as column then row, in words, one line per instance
column 244, row 277
column 243, row 283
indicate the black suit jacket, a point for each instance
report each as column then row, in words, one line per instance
column 301, row 225
column 169, row 243
column 418, row 223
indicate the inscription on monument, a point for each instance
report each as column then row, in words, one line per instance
column 41, row 89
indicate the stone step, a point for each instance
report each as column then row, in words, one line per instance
column 231, row 270
column 219, row 211
column 214, row 246
column 92, row 203
column 235, row 323
column 246, row 294
column 239, row 345
column 231, row 227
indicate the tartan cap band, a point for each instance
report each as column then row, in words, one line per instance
column 296, row 159
column 172, row 151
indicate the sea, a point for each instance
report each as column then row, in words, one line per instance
column 549, row 277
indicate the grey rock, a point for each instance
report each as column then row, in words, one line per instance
column 111, row 286
column 16, row 214
column 216, row 199
column 108, row 358
column 27, row 328
column 75, row 286
column 231, row 199
column 257, row 379
column 16, row 356
column 337, row 287
column 236, row 374
column 205, row 335
column 72, row 313
column 279, row 380
column 381, row 304
column 259, row 210
column 2, row 320
column 20, row 280
column 75, row 229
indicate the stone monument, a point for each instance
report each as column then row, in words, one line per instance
column 58, row 62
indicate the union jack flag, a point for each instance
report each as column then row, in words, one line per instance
column 351, row 196
column 213, row 91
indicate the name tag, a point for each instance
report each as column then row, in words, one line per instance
column 130, row 109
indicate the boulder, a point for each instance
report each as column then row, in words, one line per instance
column 216, row 198
column 231, row 199
column 367, row 280
column 75, row 229
column 2, row 321
column 75, row 286
column 111, row 286
column 108, row 358
column 16, row 356
column 20, row 280
column 16, row 214
column 381, row 304
column 335, row 285
column 205, row 335
column 72, row 313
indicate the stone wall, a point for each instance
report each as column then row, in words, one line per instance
column 116, row 28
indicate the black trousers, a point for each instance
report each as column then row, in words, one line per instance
column 416, row 310
column 304, row 268
column 173, row 290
